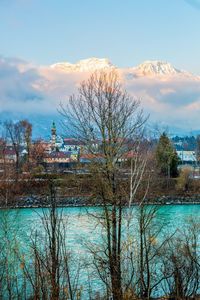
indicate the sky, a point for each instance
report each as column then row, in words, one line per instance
column 37, row 33
column 126, row 32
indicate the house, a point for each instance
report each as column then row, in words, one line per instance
column 57, row 160
column 57, row 157
column 70, row 144
column 187, row 157
column 87, row 158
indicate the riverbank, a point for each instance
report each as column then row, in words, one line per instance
column 81, row 201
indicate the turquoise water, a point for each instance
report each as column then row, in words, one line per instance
column 81, row 226
column 81, row 223
column 82, row 229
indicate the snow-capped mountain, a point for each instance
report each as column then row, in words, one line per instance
column 85, row 65
column 148, row 68
column 154, row 68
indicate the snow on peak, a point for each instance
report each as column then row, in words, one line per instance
column 154, row 67
column 94, row 64
column 84, row 65
column 149, row 68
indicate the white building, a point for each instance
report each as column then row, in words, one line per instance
column 187, row 157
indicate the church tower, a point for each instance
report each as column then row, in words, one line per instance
column 53, row 137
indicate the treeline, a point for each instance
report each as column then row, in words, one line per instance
column 18, row 153
column 187, row 143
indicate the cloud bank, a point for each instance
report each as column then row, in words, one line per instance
column 171, row 99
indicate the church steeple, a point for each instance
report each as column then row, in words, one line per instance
column 53, row 136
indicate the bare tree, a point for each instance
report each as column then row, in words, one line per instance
column 19, row 134
column 11, row 278
column 49, row 272
column 105, row 117
column 181, row 263
column 150, row 248
column 6, row 175
column 27, row 137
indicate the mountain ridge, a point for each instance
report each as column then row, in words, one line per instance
column 156, row 67
column 146, row 68
column 84, row 65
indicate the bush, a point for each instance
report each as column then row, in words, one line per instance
column 184, row 180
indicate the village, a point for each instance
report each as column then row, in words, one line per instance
column 58, row 155
column 72, row 155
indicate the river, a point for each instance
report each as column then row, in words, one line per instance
column 82, row 229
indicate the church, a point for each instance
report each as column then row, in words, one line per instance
column 63, row 152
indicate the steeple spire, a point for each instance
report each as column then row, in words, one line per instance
column 53, row 136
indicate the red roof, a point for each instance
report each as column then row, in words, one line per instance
column 58, row 155
column 9, row 152
column 129, row 154
column 73, row 142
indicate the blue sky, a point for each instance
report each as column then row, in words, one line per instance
column 125, row 31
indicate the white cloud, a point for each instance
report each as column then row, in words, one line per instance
column 29, row 89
